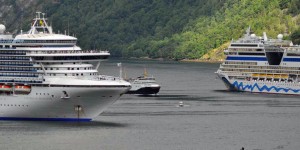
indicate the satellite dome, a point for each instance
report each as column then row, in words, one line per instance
column 280, row 36
column 2, row 28
column 253, row 35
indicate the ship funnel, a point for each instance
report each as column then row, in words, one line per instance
column 265, row 36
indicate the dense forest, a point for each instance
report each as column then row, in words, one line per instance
column 173, row 29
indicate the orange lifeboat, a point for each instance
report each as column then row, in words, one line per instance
column 5, row 88
column 22, row 88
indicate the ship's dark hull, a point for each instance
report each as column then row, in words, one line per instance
column 145, row 91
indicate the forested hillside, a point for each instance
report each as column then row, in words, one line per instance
column 173, row 29
column 125, row 27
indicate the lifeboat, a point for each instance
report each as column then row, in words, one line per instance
column 5, row 88
column 22, row 88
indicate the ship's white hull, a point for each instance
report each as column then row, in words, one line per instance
column 49, row 103
column 292, row 88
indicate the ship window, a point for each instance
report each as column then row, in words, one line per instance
column 82, row 74
column 65, row 74
column 68, row 68
column 77, row 68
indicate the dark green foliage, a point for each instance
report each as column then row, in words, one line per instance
column 174, row 29
column 296, row 37
column 126, row 27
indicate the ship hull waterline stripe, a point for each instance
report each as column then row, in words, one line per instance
column 291, row 59
column 45, row 119
column 247, row 58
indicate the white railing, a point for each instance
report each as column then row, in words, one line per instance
column 105, row 77
column 68, row 52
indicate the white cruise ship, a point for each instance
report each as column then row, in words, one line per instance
column 265, row 65
column 45, row 76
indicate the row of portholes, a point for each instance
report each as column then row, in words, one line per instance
column 79, row 74
column 44, row 94
column 89, row 68
column 53, row 74
column 107, row 96
column 53, row 95
column 10, row 105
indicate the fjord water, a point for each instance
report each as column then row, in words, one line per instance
column 211, row 119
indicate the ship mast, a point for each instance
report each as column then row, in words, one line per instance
column 40, row 25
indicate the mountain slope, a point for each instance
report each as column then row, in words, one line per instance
column 174, row 29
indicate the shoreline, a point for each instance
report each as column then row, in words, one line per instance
column 183, row 60
column 201, row 60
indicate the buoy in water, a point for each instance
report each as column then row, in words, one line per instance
column 181, row 104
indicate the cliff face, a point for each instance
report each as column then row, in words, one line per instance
column 16, row 14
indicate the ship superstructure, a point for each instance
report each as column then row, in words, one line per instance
column 46, row 76
column 257, row 64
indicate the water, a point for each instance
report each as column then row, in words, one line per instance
column 211, row 119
